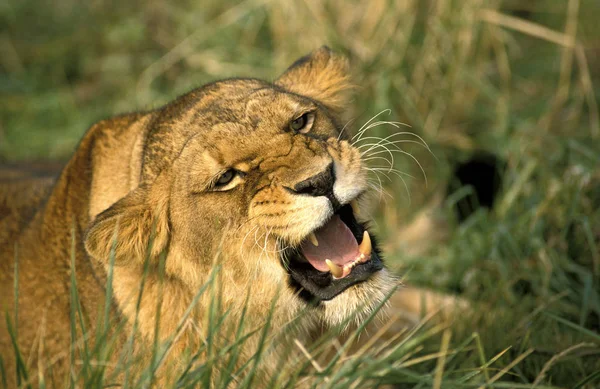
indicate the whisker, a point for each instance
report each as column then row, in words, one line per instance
column 386, row 170
column 382, row 172
column 403, row 183
column 405, row 187
column 383, row 143
column 376, row 145
column 344, row 128
column 383, row 122
column 247, row 221
column 362, row 129
column 400, row 141
column 387, row 140
column 256, row 239
column 246, row 237
column 418, row 163
column 379, row 189
column 264, row 246
column 377, row 158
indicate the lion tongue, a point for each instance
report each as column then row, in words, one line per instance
column 336, row 243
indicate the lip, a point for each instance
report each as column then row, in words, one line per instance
column 313, row 285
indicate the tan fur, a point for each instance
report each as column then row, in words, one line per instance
column 144, row 178
column 324, row 80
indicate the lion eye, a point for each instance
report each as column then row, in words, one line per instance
column 225, row 178
column 299, row 123
column 303, row 123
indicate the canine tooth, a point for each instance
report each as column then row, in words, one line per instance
column 334, row 269
column 365, row 247
column 313, row 239
column 355, row 209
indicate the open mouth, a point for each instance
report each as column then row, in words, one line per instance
column 334, row 257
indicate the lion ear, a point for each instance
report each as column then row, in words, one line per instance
column 130, row 227
column 321, row 75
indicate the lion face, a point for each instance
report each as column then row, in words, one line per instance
column 262, row 179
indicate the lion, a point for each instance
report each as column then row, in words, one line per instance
column 254, row 178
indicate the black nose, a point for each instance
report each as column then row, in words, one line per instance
column 317, row 185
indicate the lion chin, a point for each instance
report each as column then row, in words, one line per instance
column 257, row 179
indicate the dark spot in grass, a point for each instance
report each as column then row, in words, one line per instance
column 483, row 173
column 522, row 288
column 593, row 321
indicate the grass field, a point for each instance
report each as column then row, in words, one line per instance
column 519, row 80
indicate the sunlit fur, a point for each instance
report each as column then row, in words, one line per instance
column 142, row 186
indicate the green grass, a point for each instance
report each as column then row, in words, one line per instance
column 467, row 76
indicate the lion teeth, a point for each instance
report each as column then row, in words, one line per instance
column 355, row 209
column 335, row 270
column 365, row 247
column 313, row 239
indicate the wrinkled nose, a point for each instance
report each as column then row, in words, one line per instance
column 318, row 185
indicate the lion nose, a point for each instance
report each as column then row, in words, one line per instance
column 318, row 185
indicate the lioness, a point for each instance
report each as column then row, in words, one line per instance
column 254, row 177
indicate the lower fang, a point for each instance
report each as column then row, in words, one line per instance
column 365, row 246
column 335, row 270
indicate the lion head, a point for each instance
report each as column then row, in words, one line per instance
column 257, row 177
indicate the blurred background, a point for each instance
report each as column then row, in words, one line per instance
column 500, row 208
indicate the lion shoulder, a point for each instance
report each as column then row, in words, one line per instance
column 23, row 188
